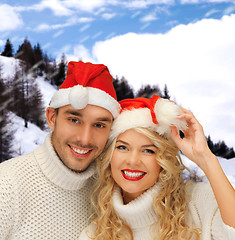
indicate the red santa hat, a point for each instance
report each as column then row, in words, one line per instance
column 156, row 114
column 87, row 83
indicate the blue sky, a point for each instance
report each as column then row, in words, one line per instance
column 189, row 45
column 60, row 25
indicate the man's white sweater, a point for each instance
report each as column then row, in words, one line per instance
column 40, row 198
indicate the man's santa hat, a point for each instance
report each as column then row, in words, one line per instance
column 156, row 114
column 87, row 83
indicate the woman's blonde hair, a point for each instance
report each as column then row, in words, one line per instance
column 169, row 204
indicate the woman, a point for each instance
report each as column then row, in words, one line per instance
column 140, row 192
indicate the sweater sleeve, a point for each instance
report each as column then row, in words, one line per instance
column 6, row 202
column 205, row 207
column 220, row 230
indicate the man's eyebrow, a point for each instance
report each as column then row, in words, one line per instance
column 104, row 119
column 71, row 112
column 78, row 114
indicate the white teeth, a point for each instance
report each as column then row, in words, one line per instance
column 80, row 151
column 133, row 174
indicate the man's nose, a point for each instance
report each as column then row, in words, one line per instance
column 85, row 135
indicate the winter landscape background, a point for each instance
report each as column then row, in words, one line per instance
column 26, row 139
column 182, row 49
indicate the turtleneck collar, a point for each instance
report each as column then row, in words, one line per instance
column 56, row 171
column 139, row 212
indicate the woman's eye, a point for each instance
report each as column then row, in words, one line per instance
column 121, row 147
column 149, row 151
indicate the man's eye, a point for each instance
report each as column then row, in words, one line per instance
column 99, row 125
column 73, row 120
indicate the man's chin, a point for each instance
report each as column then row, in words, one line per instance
column 80, row 169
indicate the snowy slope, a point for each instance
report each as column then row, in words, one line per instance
column 227, row 165
column 9, row 66
column 26, row 139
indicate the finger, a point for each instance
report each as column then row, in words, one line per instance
column 189, row 117
column 175, row 136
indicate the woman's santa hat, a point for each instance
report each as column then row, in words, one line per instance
column 156, row 114
column 87, row 83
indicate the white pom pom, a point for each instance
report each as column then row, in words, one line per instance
column 166, row 113
column 78, row 97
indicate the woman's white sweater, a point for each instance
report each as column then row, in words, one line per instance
column 202, row 212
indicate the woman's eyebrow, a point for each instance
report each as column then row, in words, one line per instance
column 150, row 145
column 121, row 141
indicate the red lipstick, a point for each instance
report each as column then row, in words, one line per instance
column 133, row 175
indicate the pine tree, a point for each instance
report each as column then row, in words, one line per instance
column 166, row 93
column 61, row 72
column 38, row 58
column 18, row 103
column 6, row 134
column 35, row 106
column 220, row 149
column 49, row 69
column 148, row 91
column 8, row 49
column 25, row 53
column 123, row 89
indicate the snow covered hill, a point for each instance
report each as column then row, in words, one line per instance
column 227, row 165
column 27, row 139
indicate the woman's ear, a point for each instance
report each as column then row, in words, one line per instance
column 51, row 117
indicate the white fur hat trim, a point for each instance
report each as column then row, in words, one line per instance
column 166, row 114
column 87, row 95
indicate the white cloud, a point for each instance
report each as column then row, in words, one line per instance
column 140, row 4
column 152, row 16
column 57, row 34
column 2, row 42
column 70, row 22
column 80, row 52
column 205, row 1
column 84, row 28
column 149, row 17
column 211, row 12
column 108, row 16
column 229, row 10
column 56, row 6
column 84, row 5
column 9, row 18
column 71, row 7
column 196, row 61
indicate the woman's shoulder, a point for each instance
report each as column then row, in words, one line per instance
column 199, row 189
column 200, row 194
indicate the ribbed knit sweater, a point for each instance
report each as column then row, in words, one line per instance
column 40, row 198
column 202, row 212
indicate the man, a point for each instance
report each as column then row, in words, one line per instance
column 45, row 194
